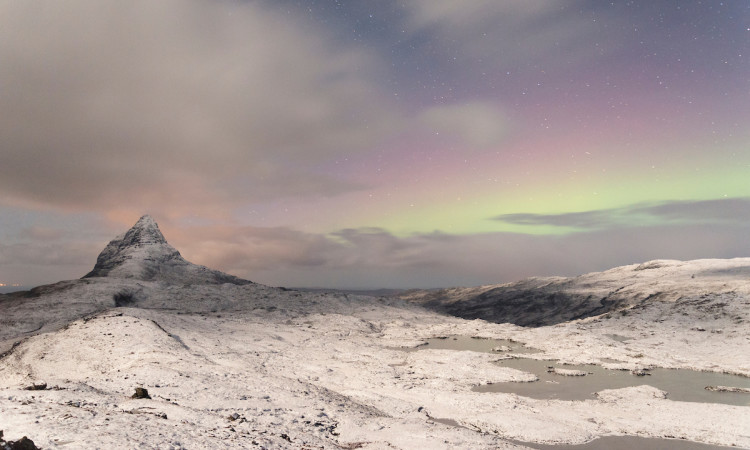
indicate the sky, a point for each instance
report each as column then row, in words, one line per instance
column 362, row 144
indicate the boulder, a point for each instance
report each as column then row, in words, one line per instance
column 141, row 393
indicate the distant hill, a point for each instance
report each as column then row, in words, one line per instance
column 367, row 292
column 542, row 301
column 8, row 289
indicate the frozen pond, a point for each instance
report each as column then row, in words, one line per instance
column 628, row 443
column 500, row 346
column 681, row 385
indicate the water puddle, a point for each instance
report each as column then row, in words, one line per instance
column 680, row 385
column 449, row 422
column 499, row 346
column 628, row 443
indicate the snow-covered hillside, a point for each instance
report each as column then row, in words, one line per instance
column 241, row 365
column 551, row 300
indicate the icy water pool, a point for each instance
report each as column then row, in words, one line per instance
column 475, row 345
column 680, row 385
column 629, row 443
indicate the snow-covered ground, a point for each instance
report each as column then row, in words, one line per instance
column 240, row 365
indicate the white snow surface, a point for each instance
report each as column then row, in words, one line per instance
column 250, row 366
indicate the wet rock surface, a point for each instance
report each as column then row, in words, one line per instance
column 141, row 393
column 567, row 372
column 22, row 444
column 728, row 389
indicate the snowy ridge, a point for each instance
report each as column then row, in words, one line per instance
column 542, row 301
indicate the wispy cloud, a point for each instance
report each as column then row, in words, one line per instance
column 729, row 211
column 512, row 35
column 732, row 211
column 584, row 220
column 477, row 125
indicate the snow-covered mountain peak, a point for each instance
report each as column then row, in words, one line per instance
column 143, row 253
column 145, row 231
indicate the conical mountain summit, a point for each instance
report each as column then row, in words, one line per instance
column 143, row 253
column 136, row 269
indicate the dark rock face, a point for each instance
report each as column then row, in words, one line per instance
column 22, row 444
column 141, row 393
column 532, row 302
column 124, row 298
column 143, row 253
column 524, row 308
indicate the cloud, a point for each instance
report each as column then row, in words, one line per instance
column 372, row 258
column 470, row 13
column 181, row 105
column 478, row 124
column 41, row 262
column 508, row 34
column 64, row 249
column 366, row 257
column 38, row 233
column 46, row 254
column 731, row 211
column 585, row 220
column 246, row 249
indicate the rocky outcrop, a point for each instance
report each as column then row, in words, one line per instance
column 22, row 444
column 141, row 393
column 532, row 302
column 737, row 390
